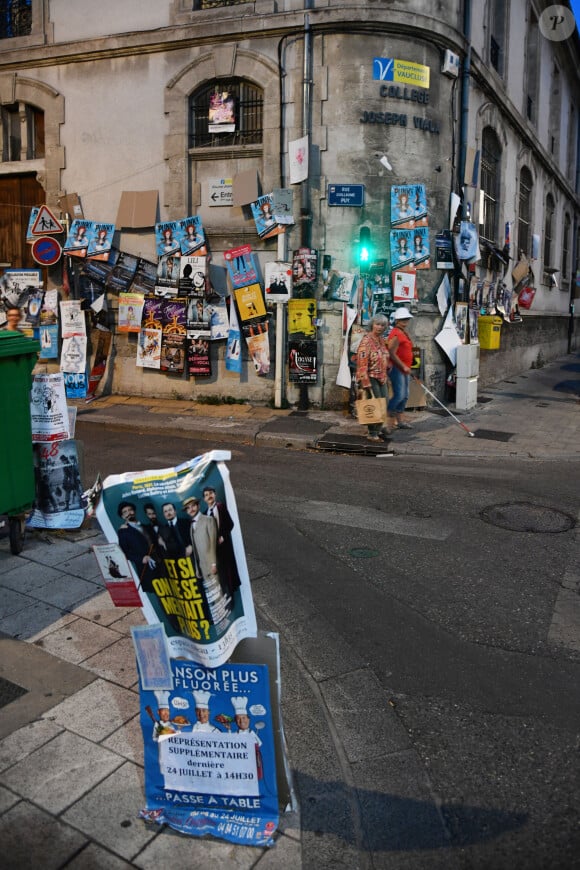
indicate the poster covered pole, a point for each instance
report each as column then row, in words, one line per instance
column 280, row 334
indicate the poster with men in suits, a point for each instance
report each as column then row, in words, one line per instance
column 180, row 531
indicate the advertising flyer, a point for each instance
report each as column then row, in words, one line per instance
column 402, row 253
column 263, row 212
column 421, row 248
column 198, row 358
column 167, row 238
column 77, row 241
column 302, row 318
column 192, row 574
column 72, row 318
column 241, row 265
column 100, row 241
column 278, row 281
column 75, row 384
column 250, row 304
column 174, row 332
column 302, row 361
column 130, row 312
column 58, row 501
column 193, row 276
column 192, row 235
column 48, row 411
column 48, row 337
column 210, row 765
column 408, row 206
column 149, row 348
column 73, row 353
column 234, row 345
column 258, row 344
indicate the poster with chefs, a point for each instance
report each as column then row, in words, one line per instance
column 209, row 748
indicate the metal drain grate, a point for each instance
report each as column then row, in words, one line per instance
column 493, row 435
column 9, row 692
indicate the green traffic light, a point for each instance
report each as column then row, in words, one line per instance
column 364, row 246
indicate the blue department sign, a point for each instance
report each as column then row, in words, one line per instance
column 346, row 194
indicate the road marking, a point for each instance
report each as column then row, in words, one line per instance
column 349, row 515
column 565, row 626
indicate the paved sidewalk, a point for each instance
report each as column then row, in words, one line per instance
column 71, row 766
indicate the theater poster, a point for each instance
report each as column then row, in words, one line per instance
column 302, row 361
column 191, row 574
column 210, row 763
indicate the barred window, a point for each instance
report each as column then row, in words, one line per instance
column 15, row 18
column 565, row 247
column 21, row 132
column 248, row 109
column 532, row 56
column 490, row 183
column 498, row 12
column 548, row 230
column 525, row 212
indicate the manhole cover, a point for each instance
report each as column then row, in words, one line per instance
column 520, row 516
column 363, row 553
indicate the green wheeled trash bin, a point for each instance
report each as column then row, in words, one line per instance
column 18, row 356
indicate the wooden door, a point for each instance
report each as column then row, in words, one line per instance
column 18, row 194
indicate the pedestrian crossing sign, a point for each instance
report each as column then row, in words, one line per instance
column 46, row 223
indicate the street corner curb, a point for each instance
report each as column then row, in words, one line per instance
column 284, row 440
column 415, row 450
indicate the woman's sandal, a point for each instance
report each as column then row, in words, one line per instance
column 404, row 426
column 374, row 438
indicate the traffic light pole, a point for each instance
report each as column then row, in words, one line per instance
column 305, row 211
column 280, row 333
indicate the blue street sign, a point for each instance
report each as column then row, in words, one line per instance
column 346, row 194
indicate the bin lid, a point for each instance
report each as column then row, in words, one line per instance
column 16, row 344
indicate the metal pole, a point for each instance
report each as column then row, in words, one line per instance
column 463, row 131
column 280, row 334
column 305, row 210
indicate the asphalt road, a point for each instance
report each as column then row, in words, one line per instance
column 455, row 616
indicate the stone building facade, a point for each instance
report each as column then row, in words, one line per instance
column 102, row 101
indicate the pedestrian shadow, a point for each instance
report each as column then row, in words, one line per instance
column 568, row 387
column 383, row 822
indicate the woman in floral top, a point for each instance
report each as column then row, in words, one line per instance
column 372, row 367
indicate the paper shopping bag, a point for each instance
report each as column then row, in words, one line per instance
column 371, row 410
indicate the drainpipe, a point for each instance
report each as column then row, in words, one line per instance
column 465, row 102
column 305, row 213
column 305, row 209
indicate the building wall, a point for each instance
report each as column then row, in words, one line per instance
column 116, row 108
